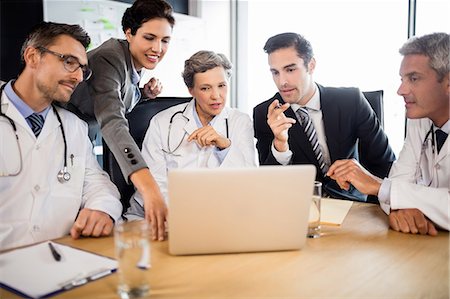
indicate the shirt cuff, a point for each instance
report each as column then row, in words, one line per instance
column 384, row 196
column 282, row 157
column 221, row 154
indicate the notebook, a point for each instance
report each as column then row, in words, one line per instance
column 225, row 210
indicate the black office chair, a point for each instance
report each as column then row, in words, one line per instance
column 138, row 120
column 375, row 99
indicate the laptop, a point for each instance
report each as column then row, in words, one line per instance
column 229, row 210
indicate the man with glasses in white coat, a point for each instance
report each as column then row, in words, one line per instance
column 416, row 194
column 50, row 182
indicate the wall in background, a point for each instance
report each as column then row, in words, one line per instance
column 17, row 17
column 100, row 18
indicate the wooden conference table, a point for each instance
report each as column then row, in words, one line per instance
column 360, row 259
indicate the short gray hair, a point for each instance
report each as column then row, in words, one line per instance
column 203, row 61
column 435, row 46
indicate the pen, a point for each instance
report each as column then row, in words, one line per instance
column 55, row 253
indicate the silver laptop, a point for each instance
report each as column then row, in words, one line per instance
column 226, row 210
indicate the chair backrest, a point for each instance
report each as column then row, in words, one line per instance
column 375, row 99
column 138, row 120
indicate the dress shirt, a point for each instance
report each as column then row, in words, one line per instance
column 20, row 105
column 135, row 79
column 315, row 113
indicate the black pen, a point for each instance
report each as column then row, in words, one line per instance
column 55, row 253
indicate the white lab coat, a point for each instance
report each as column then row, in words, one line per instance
column 241, row 153
column 34, row 206
column 409, row 183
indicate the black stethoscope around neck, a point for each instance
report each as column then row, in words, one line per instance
column 433, row 139
column 63, row 175
column 425, row 143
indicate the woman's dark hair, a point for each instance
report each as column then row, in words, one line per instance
column 144, row 10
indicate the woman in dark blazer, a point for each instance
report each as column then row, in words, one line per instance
column 113, row 90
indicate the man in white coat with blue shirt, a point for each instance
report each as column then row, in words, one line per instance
column 50, row 182
column 416, row 194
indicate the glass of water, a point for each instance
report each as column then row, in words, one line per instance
column 132, row 245
column 314, row 211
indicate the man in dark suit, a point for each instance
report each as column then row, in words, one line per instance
column 329, row 125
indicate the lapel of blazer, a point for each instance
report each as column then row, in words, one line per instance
column 331, row 120
column 129, row 90
column 298, row 142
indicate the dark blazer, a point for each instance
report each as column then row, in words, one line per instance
column 348, row 119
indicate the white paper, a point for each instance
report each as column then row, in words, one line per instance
column 333, row 211
column 34, row 271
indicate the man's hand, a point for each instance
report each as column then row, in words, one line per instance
column 279, row 124
column 152, row 88
column 411, row 221
column 208, row 136
column 91, row 223
column 346, row 172
column 154, row 206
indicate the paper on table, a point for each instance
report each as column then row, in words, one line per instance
column 34, row 272
column 333, row 211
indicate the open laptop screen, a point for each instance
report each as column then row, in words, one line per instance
column 225, row 210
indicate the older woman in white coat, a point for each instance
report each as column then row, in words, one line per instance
column 201, row 133
column 416, row 195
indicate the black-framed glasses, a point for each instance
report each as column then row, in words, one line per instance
column 71, row 63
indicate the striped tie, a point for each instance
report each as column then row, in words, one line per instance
column 37, row 122
column 310, row 132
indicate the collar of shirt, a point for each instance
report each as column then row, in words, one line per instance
column 313, row 104
column 445, row 128
column 135, row 75
column 197, row 118
column 20, row 105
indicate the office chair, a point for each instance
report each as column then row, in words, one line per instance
column 375, row 99
column 138, row 121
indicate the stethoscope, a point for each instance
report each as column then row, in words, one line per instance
column 63, row 175
column 425, row 140
column 172, row 152
column 422, row 154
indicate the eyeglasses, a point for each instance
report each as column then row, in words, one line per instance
column 71, row 63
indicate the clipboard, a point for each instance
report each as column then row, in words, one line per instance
column 34, row 271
